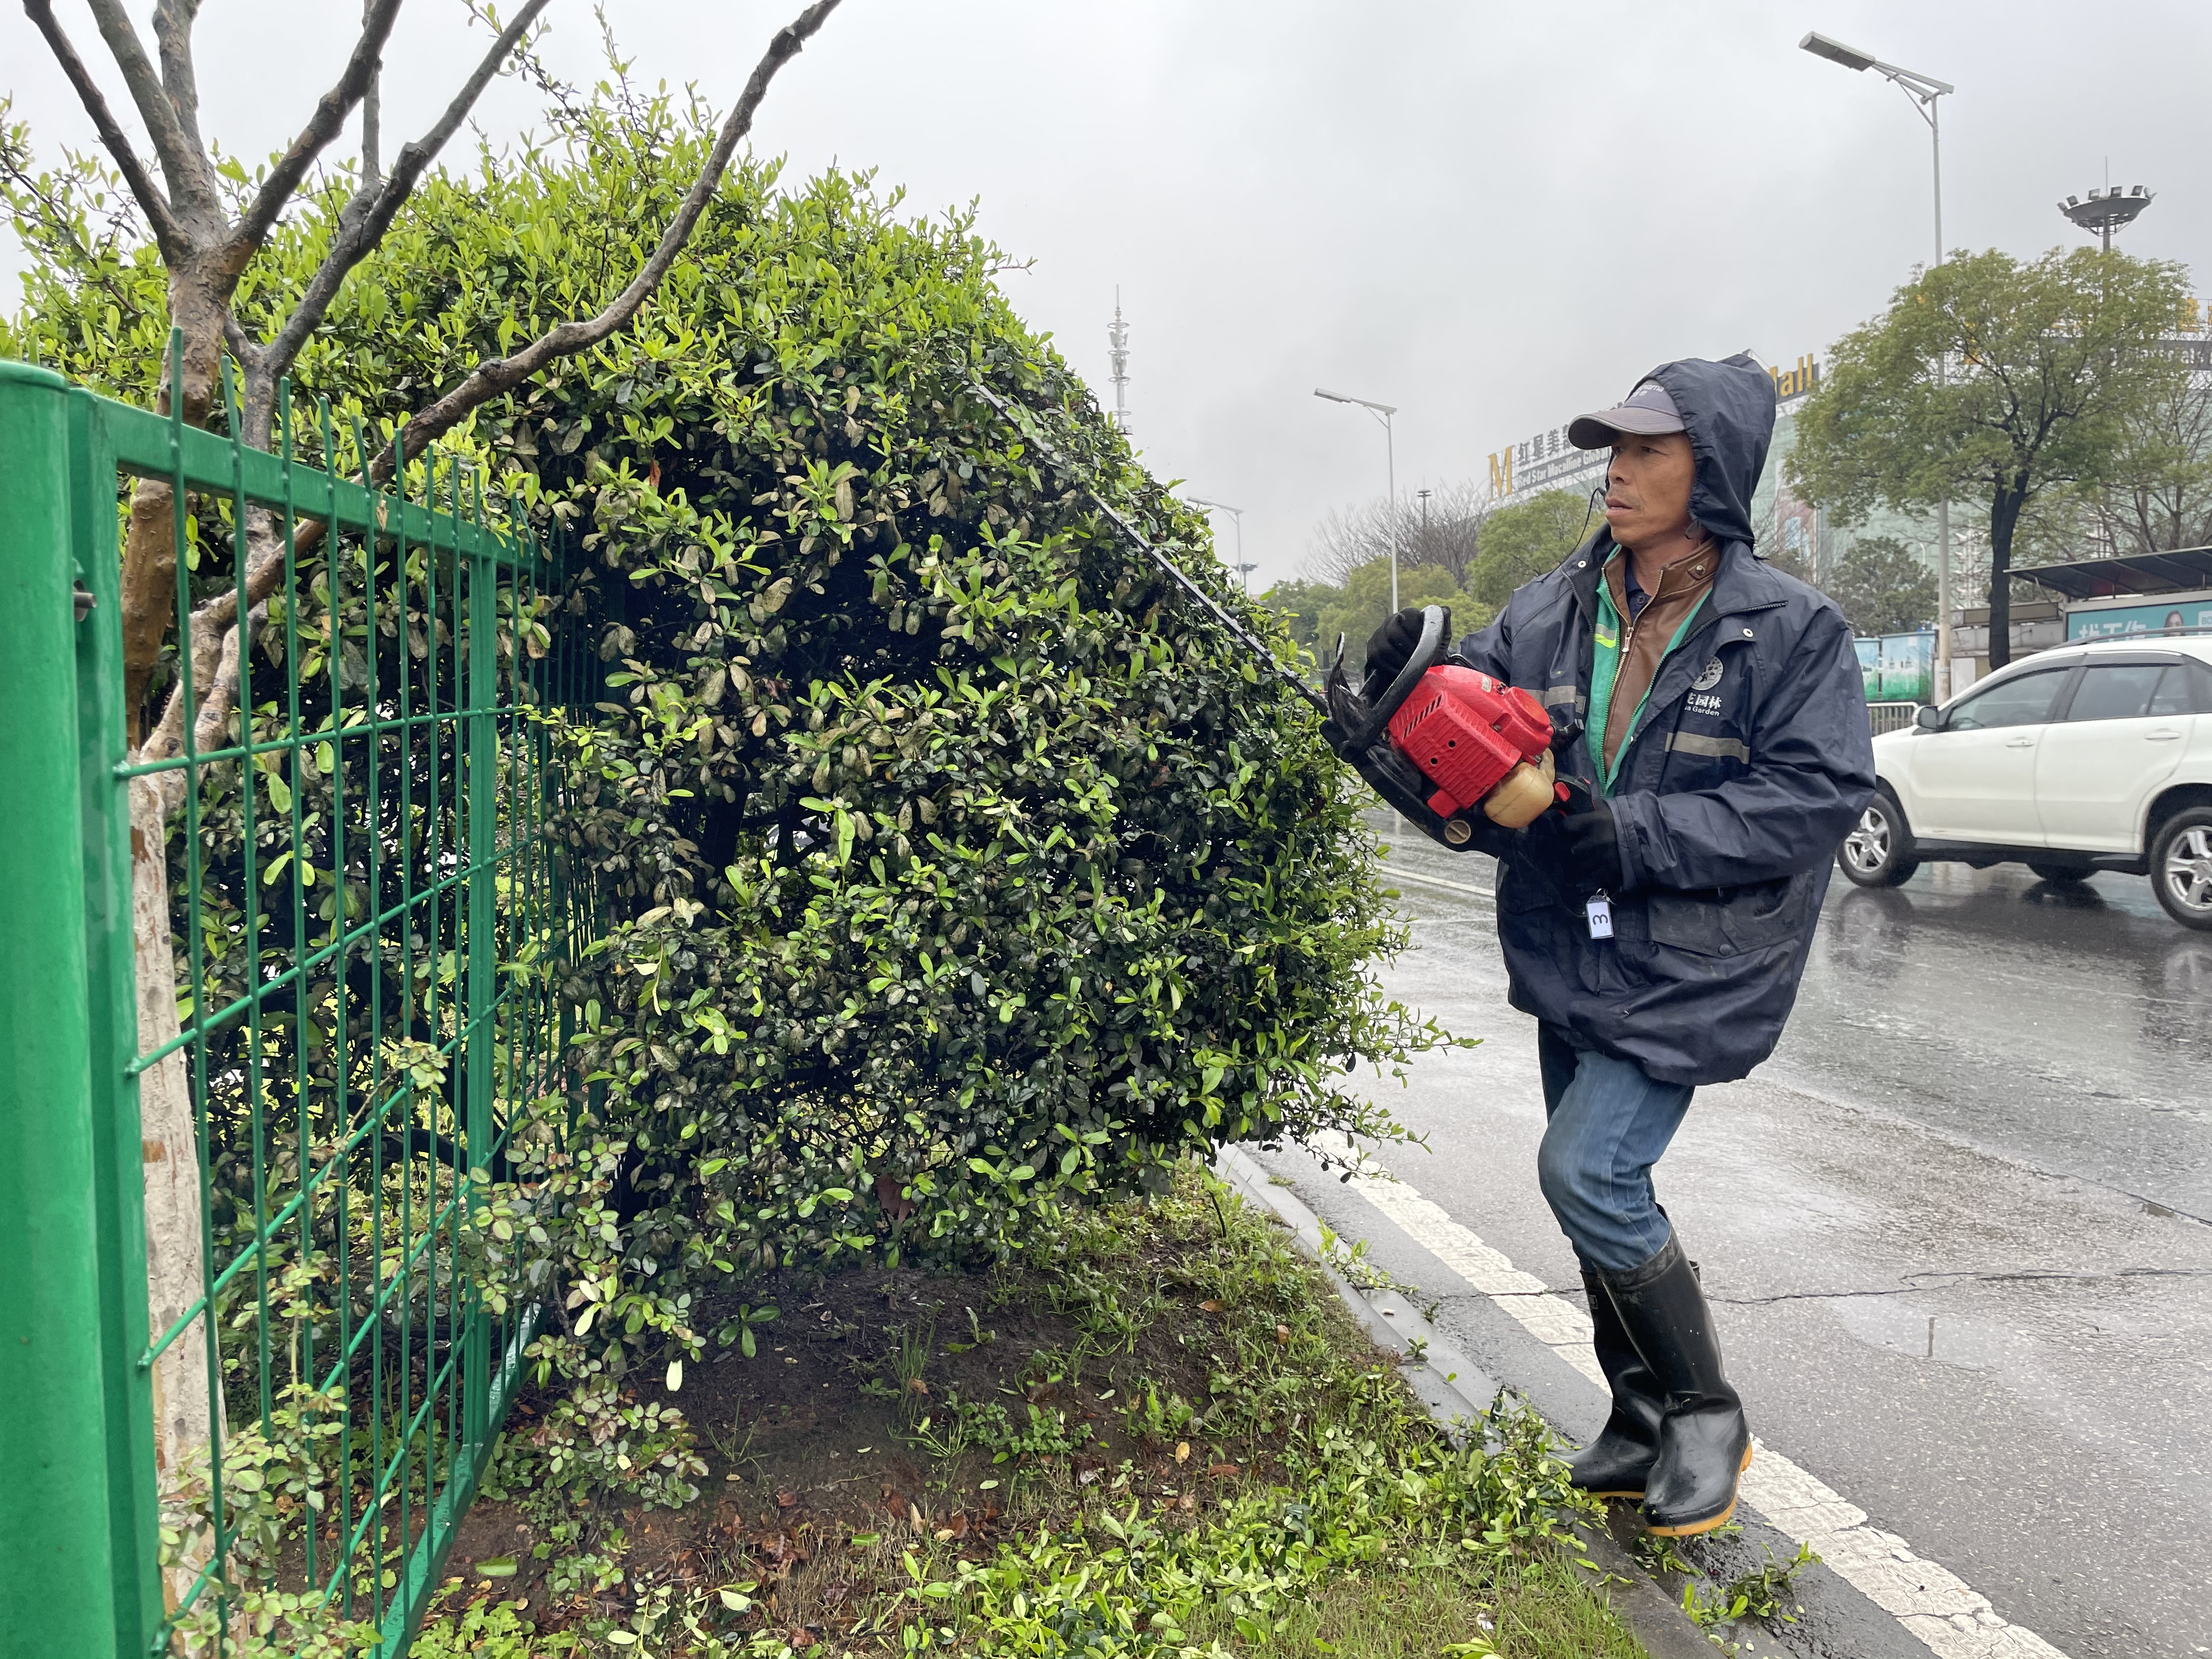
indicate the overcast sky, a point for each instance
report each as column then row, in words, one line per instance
column 1494, row 216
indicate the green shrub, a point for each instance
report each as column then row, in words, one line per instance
column 944, row 860
column 599, row 1438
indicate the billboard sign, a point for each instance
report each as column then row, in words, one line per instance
column 1897, row 667
column 2103, row 620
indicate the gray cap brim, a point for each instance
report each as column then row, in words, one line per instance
column 1601, row 429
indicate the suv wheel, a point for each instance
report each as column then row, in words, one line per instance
column 2181, row 868
column 1878, row 852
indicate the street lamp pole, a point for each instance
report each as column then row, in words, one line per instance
column 1236, row 514
column 1923, row 90
column 1382, row 412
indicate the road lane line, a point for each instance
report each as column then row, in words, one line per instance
column 1482, row 893
column 1950, row 1618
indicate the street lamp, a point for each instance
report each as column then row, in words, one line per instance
column 2107, row 210
column 1382, row 412
column 1923, row 90
column 1243, row 570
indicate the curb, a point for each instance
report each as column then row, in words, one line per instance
column 1457, row 1393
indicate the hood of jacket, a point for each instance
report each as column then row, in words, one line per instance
column 1728, row 410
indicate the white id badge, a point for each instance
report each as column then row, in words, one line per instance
column 1600, row 912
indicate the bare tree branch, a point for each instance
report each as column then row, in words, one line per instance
column 212, row 641
column 169, row 235
column 499, row 374
column 362, row 225
column 173, row 37
column 191, row 178
column 243, row 348
column 330, row 111
column 371, row 113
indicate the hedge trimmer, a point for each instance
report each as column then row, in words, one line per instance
column 1439, row 743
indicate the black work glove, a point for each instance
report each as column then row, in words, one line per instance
column 1576, row 842
column 1592, row 848
column 1389, row 648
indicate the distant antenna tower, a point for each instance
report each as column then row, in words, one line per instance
column 1117, row 354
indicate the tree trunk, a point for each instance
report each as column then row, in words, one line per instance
column 2004, row 518
column 149, row 548
column 168, row 1141
column 170, row 1148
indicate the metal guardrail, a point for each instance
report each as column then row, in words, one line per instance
column 1891, row 716
column 364, row 915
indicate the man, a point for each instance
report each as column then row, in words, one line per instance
column 1709, row 723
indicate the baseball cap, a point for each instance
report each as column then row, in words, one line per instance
column 1647, row 410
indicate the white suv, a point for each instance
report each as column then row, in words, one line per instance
column 2092, row 757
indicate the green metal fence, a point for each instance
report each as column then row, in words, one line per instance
column 366, row 927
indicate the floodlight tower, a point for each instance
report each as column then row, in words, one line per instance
column 2107, row 210
column 1117, row 354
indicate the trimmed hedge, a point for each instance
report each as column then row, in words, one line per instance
column 949, row 862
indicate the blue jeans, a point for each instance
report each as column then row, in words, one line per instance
column 1607, row 1124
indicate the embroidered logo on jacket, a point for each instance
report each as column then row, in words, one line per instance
column 1710, row 678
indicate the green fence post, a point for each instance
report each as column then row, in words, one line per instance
column 111, row 968
column 58, row 1571
column 482, row 965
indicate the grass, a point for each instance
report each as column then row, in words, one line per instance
column 1537, row 1607
column 1158, row 1433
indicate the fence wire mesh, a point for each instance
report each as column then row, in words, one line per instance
column 366, row 925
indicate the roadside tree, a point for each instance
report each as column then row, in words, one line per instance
column 2158, row 497
column 1996, row 378
column 1359, row 608
column 1521, row 542
column 1446, row 534
column 1883, row 587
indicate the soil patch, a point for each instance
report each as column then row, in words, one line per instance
column 885, row 1407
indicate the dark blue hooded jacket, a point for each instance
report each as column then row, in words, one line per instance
column 1747, row 764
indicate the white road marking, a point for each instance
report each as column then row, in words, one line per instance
column 1393, row 876
column 1951, row 1618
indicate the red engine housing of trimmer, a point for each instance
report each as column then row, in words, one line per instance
column 1465, row 731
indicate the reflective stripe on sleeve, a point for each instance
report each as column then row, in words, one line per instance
column 1693, row 743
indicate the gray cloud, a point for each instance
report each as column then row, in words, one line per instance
column 1490, row 215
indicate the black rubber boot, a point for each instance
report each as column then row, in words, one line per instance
column 1615, row 1464
column 1704, row 1444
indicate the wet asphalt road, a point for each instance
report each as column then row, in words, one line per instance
column 1962, row 1223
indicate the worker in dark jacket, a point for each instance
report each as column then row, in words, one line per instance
column 1709, row 723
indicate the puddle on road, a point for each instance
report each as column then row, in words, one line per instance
column 1906, row 1325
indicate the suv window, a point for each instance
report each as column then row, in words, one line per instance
column 2116, row 691
column 2024, row 700
column 2185, row 687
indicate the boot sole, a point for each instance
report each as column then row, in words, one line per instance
column 1691, row 1528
